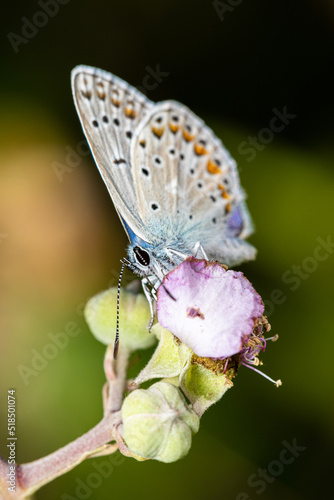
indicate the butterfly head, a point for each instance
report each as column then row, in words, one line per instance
column 143, row 258
column 143, row 261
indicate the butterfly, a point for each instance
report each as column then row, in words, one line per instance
column 174, row 185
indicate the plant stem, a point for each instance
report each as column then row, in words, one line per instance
column 31, row 476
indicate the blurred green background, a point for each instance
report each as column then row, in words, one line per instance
column 234, row 63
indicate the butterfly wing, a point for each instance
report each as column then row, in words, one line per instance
column 187, row 184
column 109, row 110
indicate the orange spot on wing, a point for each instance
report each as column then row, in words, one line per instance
column 158, row 131
column 224, row 192
column 130, row 113
column 228, row 208
column 101, row 94
column 187, row 136
column 116, row 102
column 212, row 168
column 174, row 128
column 200, row 150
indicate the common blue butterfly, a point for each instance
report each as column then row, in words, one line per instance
column 174, row 185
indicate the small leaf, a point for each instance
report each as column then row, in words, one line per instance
column 167, row 360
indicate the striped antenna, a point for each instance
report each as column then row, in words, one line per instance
column 116, row 344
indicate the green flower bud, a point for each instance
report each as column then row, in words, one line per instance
column 203, row 384
column 157, row 423
column 100, row 314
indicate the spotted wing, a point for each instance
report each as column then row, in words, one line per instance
column 109, row 111
column 187, row 184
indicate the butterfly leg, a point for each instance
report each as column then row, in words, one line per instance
column 151, row 300
column 175, row 256
column 198, row 248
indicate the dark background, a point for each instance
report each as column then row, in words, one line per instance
column 61, row 242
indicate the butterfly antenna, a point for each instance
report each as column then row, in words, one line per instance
column 116, row 344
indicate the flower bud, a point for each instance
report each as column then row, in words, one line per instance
column 134, row 312
column 158, row 423
column 204, row 383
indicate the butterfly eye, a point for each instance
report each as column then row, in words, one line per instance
column 142, row 256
